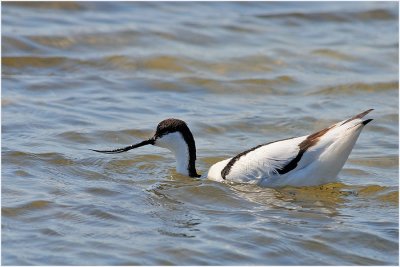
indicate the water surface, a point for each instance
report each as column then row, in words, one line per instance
column 80, row 75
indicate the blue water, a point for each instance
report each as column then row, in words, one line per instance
column 81, row 75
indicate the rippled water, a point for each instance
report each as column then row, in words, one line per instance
column 79, row 75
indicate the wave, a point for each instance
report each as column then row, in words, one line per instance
column 330, row 194
column 340, row 16
column 352, row 88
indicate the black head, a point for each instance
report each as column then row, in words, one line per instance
column 175, row 125
column 164, row 128
column 170, row 126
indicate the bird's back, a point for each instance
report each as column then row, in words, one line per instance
column 302, row 161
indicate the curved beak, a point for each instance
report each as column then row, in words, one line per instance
column 124, row 149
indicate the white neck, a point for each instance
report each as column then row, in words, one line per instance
column 175, row 143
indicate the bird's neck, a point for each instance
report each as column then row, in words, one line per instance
column 184, row 163
column 184, row 149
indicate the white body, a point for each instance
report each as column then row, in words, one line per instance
column 320, row 163
column 302, row 161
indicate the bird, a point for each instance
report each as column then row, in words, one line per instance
column 308, row 160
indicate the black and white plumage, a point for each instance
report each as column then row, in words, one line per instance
column 308, row 160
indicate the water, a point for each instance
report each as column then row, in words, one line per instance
column 79, row 75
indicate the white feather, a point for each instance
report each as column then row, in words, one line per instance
column 175, row 143
column 319, row 164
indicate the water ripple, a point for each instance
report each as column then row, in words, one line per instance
column 96, row 75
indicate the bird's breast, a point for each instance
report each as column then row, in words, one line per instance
column 243, row 174
column 214, row 173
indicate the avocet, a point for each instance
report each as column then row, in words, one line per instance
column 308, row 160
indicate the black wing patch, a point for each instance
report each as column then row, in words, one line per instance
column 225, row 171
column 310, row 141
